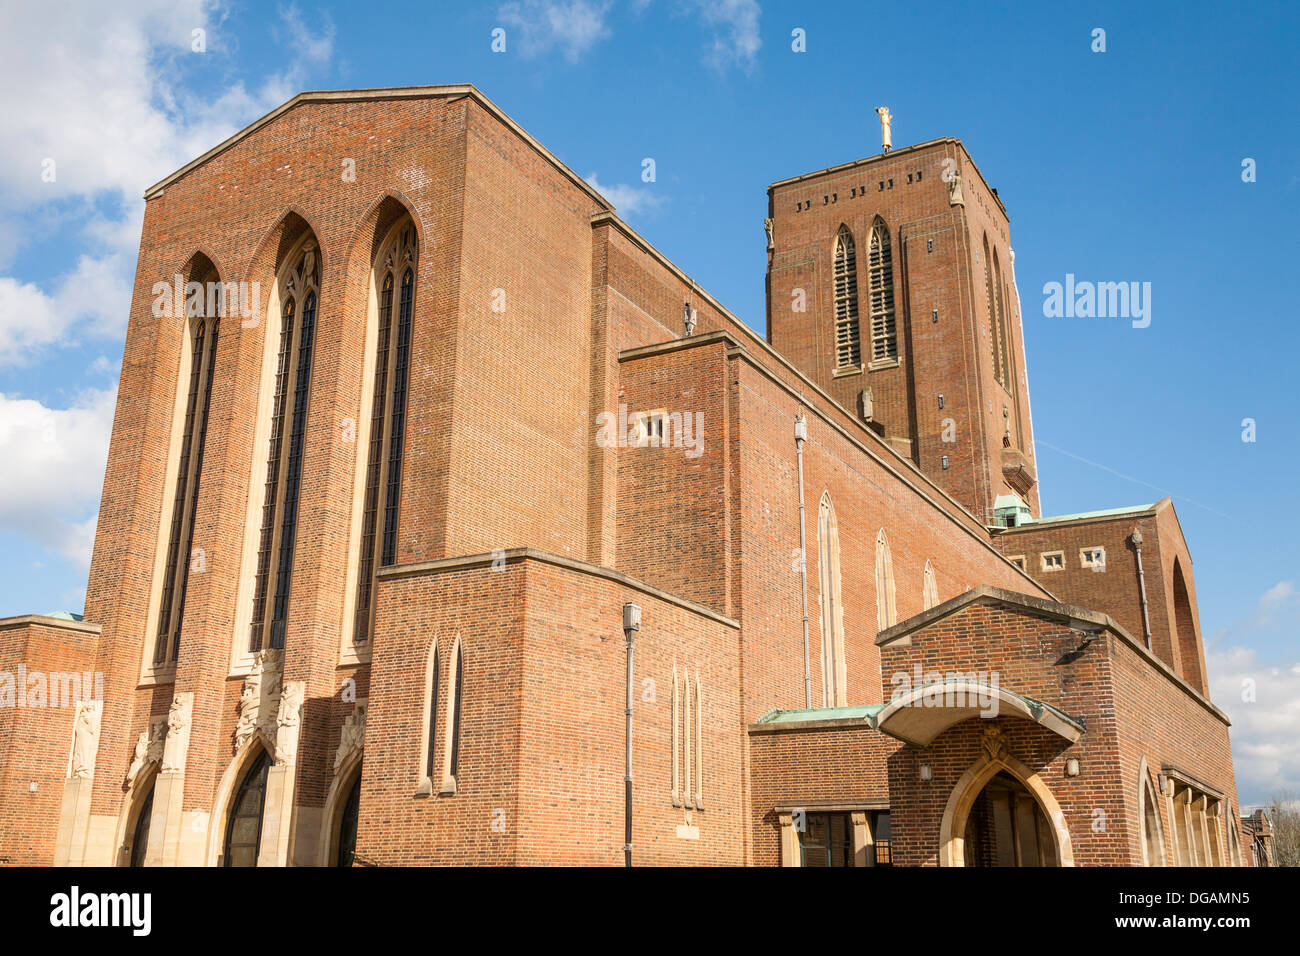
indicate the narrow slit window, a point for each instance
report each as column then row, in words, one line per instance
column 433, row 717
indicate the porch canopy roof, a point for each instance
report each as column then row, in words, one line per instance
column 923, row 713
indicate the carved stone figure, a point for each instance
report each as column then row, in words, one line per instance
column 178, row 732
column 85, row 737
column 352, row 736
column 993, row 743
column 767, row 227
column 288, row 720
column 148, row 748
column 260, row 699
column 955, row 197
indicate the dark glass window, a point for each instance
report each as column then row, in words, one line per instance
column 186, row 498
column 272, row 488
column 140, row 836
column 881, row 834
column 374, row 465
column 348, row 825
column 293, row 471
column 244, row 829
column 827, row 840
column 285, row 457
column 397, row 427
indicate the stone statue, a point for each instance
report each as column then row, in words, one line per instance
column 287, row 721
column 955, row 197
column 767, row 227
column 85, row 737
column 886, row 135
column 688, row 318
column 178, row 732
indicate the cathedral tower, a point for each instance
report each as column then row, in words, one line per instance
column 891, row 284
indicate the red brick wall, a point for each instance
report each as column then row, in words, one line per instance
column 935, row 249
column 543, row 721
column 36, row 741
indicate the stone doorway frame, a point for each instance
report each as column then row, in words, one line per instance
column 952, row 829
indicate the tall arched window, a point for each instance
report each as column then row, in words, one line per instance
column 394, row 275
column 834, row 670
column 299, row 295
column 929, row 586
column 886, row 613
column 848, row 341
column 185, row 500
column 884, row 336
column 244, row 826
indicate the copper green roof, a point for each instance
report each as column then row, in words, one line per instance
column 857, row 712
column 65, row 616
column 1104, row 513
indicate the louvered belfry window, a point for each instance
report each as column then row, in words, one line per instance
column 848, row 344
column 180, row 540
column 884, row 337
column 275, row 551
column 387, row 421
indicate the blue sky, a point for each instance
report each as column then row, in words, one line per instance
column 1123, row 165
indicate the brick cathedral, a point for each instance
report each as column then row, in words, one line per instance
column 426, row 469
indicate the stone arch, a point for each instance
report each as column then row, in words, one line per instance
column 1151, row 830
column 133, row 801
column 344, row 779
column 952, row 828
column 230, row 781
column 1189, row 655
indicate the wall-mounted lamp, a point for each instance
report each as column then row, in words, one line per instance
column 31, row 787
column 945, row 462
column 926, row 772
column 1072, row 767
column 934, row 315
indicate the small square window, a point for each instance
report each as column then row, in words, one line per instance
column 1093, row 559
column 1018, row 560
column 1053, row 560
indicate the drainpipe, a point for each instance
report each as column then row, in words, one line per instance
column 1136, row 538
column 631, row 624
column 801, row 436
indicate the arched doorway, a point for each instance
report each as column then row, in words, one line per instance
column 1007, row 827
column 347, row 841
column 140, row 832
column 244, row 829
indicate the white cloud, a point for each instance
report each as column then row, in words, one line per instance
column 1263, row 701
column 1265, row 729
column 98, row 100
column 736, row 39
column 54, row 470
column 574, row 26
column 628, row 200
